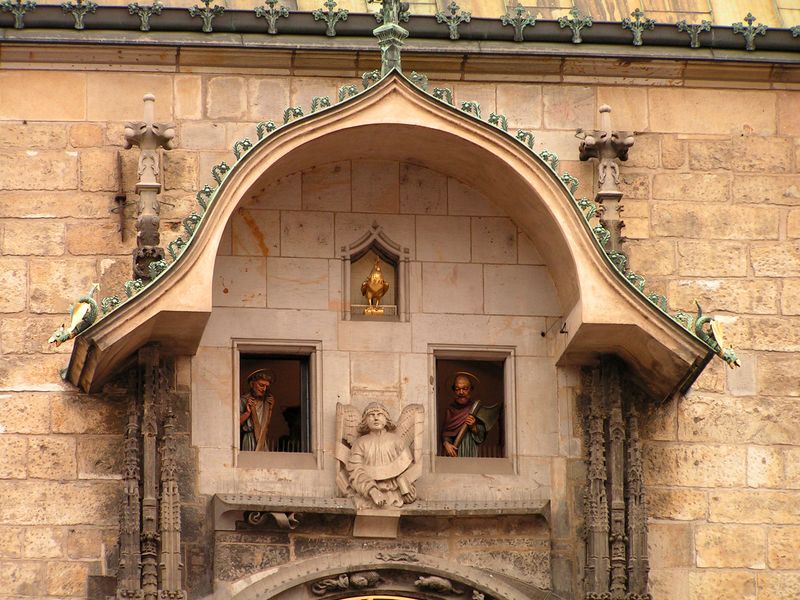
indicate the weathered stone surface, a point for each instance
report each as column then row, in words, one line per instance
column 255, row 232
column 297, row 283
column 180, row 170
column 55, row 284
column 41, row 502
column 777, row 375
column 283, row 194
column 754, row 506
column 762, row 154
column 240, row 281
column 43, row 542
column 77, row 413
column 25, row 413
column 793, row 224
column 494, row 240
column 677, row 503
column 646, row 152
column 765, row 333
column 783, row 550
column 201, row 135
column 33, row 237
column 673, row 152
column 759, row 296
column 629, row 111
column 778, row 586
column 521, row 104
column 692, row 110
column 531, row 567
column 76, row 205
column 188, row 96
column 19, row 372
column 651, row 257
column 712, row 379
column 767, row 189
column 568, row 107
column 422, row 191
column 712, row 259
column 710, row 155
column 23, row 578
column 226, row 98
column 307, row 234
column 758, row 420
column 90, row 237
column 669, row 583
column 742, row 380
column 46, row 95
column 118, row 96
column 267, row 98
column 775, row 260
column 634, row 185
column 14, row 450
column 34, row 170
column 443, row 238
column 696, row 187
column 327, row 187
column 694, row 465
column 788, row 109
column 99, row 456
column 465, row 200
column 376, row 186
column 99, row 170
column 452, row 288
column 67, row 578
column 680, row 219
column 742, row 546
column 519, row 290
column 52, row 457
column 33, row 135
column 670, row 545
column 233, row 561
column 86, row 542
column 11, row 542
column 86, row 135
column 722, row 585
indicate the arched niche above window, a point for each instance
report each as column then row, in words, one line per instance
column 358, row 260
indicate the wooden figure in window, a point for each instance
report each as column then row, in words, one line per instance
column 467, row 421
column 255, row 411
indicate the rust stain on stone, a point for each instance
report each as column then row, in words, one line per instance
column 257, row 235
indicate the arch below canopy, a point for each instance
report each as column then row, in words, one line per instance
column 394, row 120
column 292, row 581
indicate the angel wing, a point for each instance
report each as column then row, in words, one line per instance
column 347, row 420
column 719, row 333
column 410, row 425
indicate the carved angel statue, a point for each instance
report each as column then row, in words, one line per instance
column 379, row 460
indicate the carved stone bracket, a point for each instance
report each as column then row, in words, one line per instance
column 149, row 136
column 615, row 511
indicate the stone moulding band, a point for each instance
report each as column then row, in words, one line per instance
column 361, row 25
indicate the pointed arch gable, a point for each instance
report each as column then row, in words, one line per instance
column 393, row 119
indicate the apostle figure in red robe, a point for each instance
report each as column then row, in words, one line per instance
column 463, row 414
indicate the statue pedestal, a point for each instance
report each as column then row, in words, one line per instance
column 376, row 523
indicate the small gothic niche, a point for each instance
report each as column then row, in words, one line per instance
column 374, row 278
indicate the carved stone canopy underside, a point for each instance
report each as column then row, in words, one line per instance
column 602, row 313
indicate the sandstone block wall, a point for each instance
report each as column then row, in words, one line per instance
column 711, row 211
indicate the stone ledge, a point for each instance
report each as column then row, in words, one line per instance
column 227, row 506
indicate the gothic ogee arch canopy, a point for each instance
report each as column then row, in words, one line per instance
column 605, row 307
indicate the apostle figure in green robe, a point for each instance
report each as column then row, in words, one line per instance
column 466, row 421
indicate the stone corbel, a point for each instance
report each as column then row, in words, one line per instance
column 149, row 136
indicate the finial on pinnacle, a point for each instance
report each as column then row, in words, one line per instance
column 390, row 34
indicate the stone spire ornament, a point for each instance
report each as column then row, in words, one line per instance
column 149, row 136
column 609, row 147
column 390, row 34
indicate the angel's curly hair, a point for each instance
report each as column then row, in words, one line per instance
column 373, row 406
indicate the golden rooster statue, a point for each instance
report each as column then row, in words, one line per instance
column 374, row 288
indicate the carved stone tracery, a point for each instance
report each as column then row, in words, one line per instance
column 150, row 564
column 615, row 510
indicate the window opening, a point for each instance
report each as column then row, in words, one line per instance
column 470, row 407
column 274, row 403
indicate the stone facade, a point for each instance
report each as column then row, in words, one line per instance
column 711, row 190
